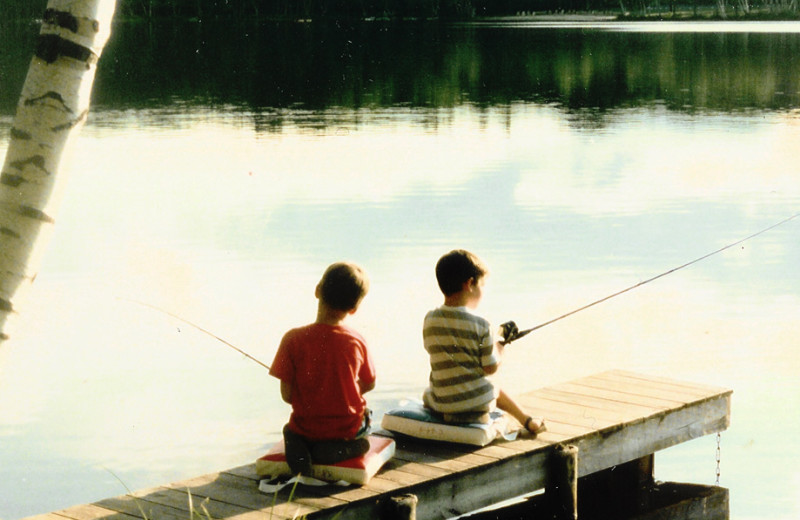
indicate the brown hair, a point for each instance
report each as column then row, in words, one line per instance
column 343, row 285
column 457, row 267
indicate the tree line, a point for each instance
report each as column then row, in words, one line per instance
column 399, row 9
column 306, row 9
column 280, row 9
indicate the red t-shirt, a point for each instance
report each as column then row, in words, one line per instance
column 323, row 365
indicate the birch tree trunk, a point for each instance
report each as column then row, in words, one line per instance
column 52, row 108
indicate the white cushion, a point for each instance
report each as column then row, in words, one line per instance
column 412, row 418
column 357, row 470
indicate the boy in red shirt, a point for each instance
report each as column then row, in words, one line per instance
column 325, row 369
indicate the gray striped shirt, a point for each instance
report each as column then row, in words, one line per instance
column 460, row 344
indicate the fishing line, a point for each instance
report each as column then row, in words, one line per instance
column 665, row 273
column 198, row 327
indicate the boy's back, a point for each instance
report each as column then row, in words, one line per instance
column 460, row 345
column 325, row 363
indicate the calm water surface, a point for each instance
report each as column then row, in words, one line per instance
column 217, row 178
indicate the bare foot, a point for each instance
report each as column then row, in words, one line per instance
column 535, row 425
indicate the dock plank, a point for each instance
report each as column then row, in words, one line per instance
column 168, row 503
column 691, row 386
column 569, row 413
column 224, row 488
column 91, row 512
column 683, row 391
column 425, row 470
column 140, row 508
column 612, row 417
column 403, row 478
column 625, row 410
column 643, row 389
column 427, row 459
column 442, row 456
column 626, row 398
column 345, row 494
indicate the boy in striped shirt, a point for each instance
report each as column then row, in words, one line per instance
column 463, row 351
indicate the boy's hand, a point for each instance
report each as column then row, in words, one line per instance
column 508, row 331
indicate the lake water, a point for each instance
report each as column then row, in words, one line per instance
column 221, row 171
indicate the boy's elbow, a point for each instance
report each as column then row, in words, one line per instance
column 490, row 369
column 286, row 392
column 366, row 387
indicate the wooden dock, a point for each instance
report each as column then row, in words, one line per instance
column 613, row 418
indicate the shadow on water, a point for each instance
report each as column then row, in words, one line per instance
column 277, row 71
column 665, row 501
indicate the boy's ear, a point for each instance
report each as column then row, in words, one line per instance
column 317, row 291
column 355, row 307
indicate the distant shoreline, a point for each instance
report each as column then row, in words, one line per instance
column 704, row 14
column 550, row 17
column 701, row 14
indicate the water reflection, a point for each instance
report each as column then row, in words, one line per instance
column 433, row 66
column 274, row 67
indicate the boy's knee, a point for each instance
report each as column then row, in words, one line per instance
column 331, row 452
column 363, row 445
column 298, row 454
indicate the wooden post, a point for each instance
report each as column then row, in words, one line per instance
column 562, row 482
column 643, row 480
column 402, row 507
column 622, row 490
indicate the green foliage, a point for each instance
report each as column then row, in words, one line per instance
column 396, row 9
column 193, row 513
column 21, row 10
column 264, row 68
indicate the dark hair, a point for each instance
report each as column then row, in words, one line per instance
column 455, row 268
column 343, row 285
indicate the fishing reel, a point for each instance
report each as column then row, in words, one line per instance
column 510, row 332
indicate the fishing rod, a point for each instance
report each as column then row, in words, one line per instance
column 198, row 327
column 525, row 332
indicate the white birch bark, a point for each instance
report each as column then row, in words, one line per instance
column 52, row 108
